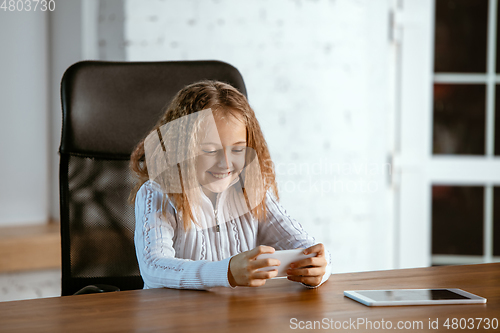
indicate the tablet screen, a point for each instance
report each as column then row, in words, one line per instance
column 410, row 295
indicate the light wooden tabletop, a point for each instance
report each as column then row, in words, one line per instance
column 279, row 306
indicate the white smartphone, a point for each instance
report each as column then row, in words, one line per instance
column 413, row 297
column 286, row 257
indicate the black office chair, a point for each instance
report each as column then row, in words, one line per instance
column 108, row 107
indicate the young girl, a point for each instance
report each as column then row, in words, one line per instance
column 206, row 200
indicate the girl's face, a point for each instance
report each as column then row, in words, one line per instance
column 221, row 155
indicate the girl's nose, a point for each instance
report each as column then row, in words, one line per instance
column 224, row 160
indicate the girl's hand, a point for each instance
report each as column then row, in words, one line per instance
column 309, row 271
column 243, row 268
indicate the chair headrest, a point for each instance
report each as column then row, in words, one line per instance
column 108, row 107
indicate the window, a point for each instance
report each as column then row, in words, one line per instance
column 463, row 133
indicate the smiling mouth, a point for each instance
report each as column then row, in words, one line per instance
column 220, row 175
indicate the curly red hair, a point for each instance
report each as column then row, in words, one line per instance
column 224, row 100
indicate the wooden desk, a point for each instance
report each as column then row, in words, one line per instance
column 264, row 309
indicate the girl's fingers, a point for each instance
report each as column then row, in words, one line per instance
column 318, row 248
column 260, row 263
column 254, row 253
column 265, row 275
column 311, row 281
column 312, row 271
column 314, row 261
column 256, row 283
column 317, row 260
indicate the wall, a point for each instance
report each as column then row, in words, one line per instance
column 24, row 117
column 37, row 47
column 318, row 77
column 66, row 48
column 110, row 30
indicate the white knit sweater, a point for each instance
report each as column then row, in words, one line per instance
column 170, row 257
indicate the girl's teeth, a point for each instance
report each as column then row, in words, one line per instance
column 220, row 176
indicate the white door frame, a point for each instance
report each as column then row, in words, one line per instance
column 415, row 21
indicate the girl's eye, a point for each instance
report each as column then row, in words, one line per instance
column 240, row 150
column 211, row 152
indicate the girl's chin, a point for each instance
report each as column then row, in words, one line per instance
column 215, row 189
column 218, row 186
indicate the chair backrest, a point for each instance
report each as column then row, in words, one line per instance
column 108, row 107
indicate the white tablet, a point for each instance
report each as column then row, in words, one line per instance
column 413, row 297
column 286, row 257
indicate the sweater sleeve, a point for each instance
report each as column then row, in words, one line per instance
column 282, row 232
column 154, row 234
